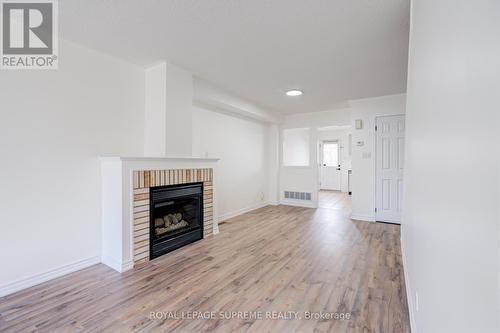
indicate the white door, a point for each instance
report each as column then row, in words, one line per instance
column 329, row 165
column 390, row 139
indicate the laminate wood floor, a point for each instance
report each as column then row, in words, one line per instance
column 334, row 200
column 273, row 259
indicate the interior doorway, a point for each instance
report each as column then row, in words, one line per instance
column 390, row 136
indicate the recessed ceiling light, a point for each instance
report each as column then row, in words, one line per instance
column 293, row 92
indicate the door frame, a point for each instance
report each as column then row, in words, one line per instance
column 374, row 163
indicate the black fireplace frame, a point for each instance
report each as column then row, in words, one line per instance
column 167, row 244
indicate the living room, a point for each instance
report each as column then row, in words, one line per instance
column 250, row 166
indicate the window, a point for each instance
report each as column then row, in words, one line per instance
column 331, row 153
column 296, row 147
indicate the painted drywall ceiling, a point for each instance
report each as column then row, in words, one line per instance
column 334, row 50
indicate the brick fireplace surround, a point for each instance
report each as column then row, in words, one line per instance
column 144, row 180
column 126, row 184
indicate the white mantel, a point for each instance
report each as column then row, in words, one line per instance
column 117, row 195
column 159, row 159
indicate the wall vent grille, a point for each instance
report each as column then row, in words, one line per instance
column 298, row 195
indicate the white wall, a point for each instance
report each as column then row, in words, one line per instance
column 243, row 148
column 338, row 117
column 179, row 103
column 305, row 179
column 273, row 139
column 450, row 231
column 363, row 157
column 300, row 178
column 155, row 115
column 296, row 147
column 168, row 104
column 53, row 127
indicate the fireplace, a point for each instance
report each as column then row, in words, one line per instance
column 176, row 217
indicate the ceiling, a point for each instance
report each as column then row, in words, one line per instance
column 334, row 50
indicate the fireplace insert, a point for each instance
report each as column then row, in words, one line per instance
column 176, row 217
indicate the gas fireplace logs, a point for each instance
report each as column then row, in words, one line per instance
column 169, row 222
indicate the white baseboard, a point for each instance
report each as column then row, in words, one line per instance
column 235, row 213
column 409, row 293
column 127, row 266
column 118, row 266
column 110, row 262
column 366, row 218
column 33, row 280
column 299, row 203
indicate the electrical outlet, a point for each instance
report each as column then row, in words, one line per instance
column 416, row 301
column 262, row 196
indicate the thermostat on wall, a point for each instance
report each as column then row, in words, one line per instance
column 358, row 123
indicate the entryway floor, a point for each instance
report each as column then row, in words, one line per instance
column 334, row 200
